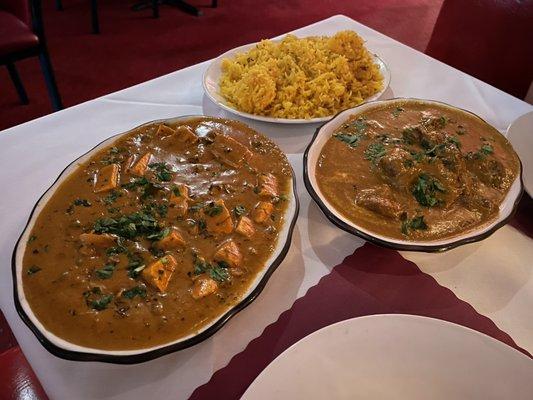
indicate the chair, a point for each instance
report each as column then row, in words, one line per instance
column 180, row 4
column 489, row 39
column 22, row 36
column 95, row 23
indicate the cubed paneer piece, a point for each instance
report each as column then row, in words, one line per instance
column 179, row 199
column 185, row 134
column 268, row 185
column 139, row 168
column 163, row 130
column 262, row 212
column 172, row 241
column 217, row 217
column 229, row 253
column 229, row 151
column 245, row 227
column 98, row 240
column 203, row 286
column 107, row 178
column 158, row 273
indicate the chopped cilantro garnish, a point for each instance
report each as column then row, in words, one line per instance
column 216, row 271
column 426, row 189
column 111, row 197
column 396, row 112
column 96, row 300
column 134, row 291
column 213, row 209
column 455, row 140
column 135, row 265
column 219, row 273
column 32, row 239
column 102, row 303
column 486, row 149
column 33, row 270
column 162, row 171
column 129, row 226
column 416, row 223
column 239, row 210
column 176, row 191
column 351, row 139
column 375, row 151
column 82, row 202
column 106, row 271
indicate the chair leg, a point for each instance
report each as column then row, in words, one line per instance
column 50, row 80
column 94, row 17
column 155, row 8
column 214, row 3
column 59, row 5
column 18, row 83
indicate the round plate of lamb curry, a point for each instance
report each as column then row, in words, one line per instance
column 413, row 174
column 152, row 240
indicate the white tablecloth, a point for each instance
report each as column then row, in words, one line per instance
column 495, row 279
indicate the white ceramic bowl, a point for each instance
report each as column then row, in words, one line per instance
column 211, row 81
column 520, row 134
column 323, row 133
column 64, row 349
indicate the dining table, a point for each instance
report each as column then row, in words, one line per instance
column 328, row 274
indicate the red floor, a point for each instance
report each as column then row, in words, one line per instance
column 134, row 47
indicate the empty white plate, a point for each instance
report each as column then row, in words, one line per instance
column 396, row 357
column 520, row 134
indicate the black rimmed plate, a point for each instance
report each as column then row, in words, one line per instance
column 70, row 351
column 312, row 153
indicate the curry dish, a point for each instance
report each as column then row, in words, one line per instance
column 156, row 235
column 416, row 171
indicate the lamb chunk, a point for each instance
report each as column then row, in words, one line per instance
column 379, row 200
column 393, row 164
column 489, row 171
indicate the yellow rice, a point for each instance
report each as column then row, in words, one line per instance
column 301, row 78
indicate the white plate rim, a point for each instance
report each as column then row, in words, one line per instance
column 336, row 325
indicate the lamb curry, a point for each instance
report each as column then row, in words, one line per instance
column 156, row 235
column 416, row 171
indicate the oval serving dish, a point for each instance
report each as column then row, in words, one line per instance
column 212, row 75
column 506, row 210
column 71, row 351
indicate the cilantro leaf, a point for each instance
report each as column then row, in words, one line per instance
column 134, row 291
column 426, row 189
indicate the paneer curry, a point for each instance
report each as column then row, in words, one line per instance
column 416, row 171
column 156, row 235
